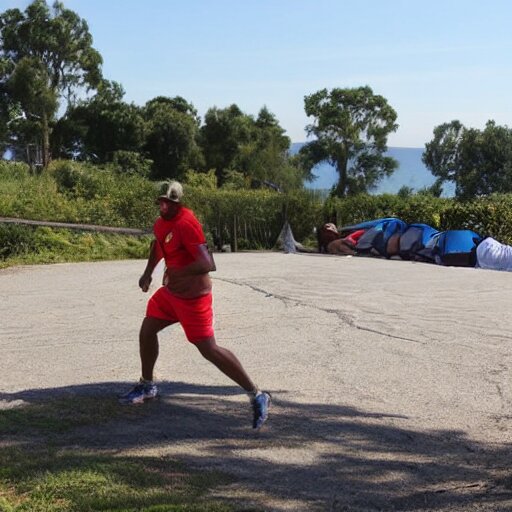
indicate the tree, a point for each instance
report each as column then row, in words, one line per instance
column 5, row 109
column 171, row 136
column 479, row 162
column 435, row 190
column 177, row 103
column 96, row 128
column 265, row 158
column 222, row 135
column 405, row 192
column 441, row 153
column 351, row 127
column 46, row 54
column 257, row 149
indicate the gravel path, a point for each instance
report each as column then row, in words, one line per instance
column 391, row 380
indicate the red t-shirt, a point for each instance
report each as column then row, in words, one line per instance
column 179, row 237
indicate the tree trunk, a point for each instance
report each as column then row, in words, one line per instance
column 342, row 168
column 341, row 187
column 46, row 141
column 234, row 234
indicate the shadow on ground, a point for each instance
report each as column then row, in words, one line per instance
column 329, row 457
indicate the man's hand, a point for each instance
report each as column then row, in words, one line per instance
column 144, row 282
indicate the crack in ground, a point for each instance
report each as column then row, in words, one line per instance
column 345, row 318
column 492, row 379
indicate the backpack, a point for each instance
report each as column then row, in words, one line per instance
column 455, row 247
column 375, row 240
column 414, row 239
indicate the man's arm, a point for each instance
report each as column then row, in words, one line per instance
column 202, row 264
column 155, row 255
column 193, row 279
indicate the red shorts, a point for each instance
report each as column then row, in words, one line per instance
column 194, row 315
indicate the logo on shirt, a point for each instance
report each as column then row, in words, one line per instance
column 168, row 238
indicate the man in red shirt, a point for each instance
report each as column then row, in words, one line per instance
column 186, row 297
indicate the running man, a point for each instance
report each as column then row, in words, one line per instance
column 186, row 297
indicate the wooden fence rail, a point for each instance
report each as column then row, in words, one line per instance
column 77, row 227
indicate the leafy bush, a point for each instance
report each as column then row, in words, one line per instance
column 15, row 240
column 250, row 219
column 488, row 216
column 416, row 208
column 131, row 162
column 304, row 213
column 26, row 244
column 229, row 215
column 201, row 179
column 13, row 169
column 103, row 196
column 82, row 180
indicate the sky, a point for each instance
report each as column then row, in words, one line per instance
column 433, row 60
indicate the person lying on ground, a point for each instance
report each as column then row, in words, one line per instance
column 493, row 255
column 328, row 234
column 345, row 246
column 325, row 235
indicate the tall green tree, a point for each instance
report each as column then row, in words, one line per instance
column 479, row 162
column 222, row 136
column 10, row 112
column 96, row 128
column 265, row 158
column 257, row 149
column 171, row 136
column 441, row 154
column 177, row 103
column 46, row 54
column 350, row 127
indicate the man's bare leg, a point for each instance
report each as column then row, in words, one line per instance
column 226, row 362
column 148, row 344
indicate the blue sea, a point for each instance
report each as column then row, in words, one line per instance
column 411, row 172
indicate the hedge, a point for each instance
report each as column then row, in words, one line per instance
column 488, row 216
column 245, row 219
column 252, row 219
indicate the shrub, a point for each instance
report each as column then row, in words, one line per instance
column 201, row 179
column 81, row 180
column 250, row 219
column 131, row 162
column 16, row 240
column 304, row 212
column 488, row 216
column 254, row 215
column 417, row 208
column 26, row 244
column 102, row 196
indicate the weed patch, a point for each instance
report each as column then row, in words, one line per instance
column 39, row 473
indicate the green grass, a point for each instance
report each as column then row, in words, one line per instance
column 61, row 480
column 40, row 473
column 61, row 415
column 26, row 245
